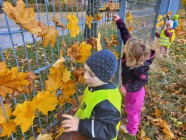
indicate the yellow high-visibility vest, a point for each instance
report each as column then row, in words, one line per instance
column 91, row 99
column 164, row 40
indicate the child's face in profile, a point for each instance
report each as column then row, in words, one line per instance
column 168, row 26
column 90, row 77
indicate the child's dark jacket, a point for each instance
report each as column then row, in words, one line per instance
column 104, row 117
column 133, row 79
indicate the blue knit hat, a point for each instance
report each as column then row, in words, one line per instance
column 103, row 64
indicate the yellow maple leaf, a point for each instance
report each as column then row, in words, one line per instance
column 49, row 35
column 58, row 23
column 160, row 24
column 55, row 78
column 111, row 6
column 66, row 75
column 25, row 114
column 54, row 81
column 3, row 67
column 116, row 54
column 160, row 17
column 130, row 29
column 166, row 130
column 72, row 18
column 59, row 62
column 99, row 47
column 185, row 109
column 157, row 112
column 73, row 52
column 84, row 52
column 64, row 99
column 68, row 88
column 98, row 17
column 8, row 128
column 41, row 101
column 25, row 17
column 61, row 130
column 44, row 137
column 114, row 40
column 2, row 115
column 89, row 20
column 129, row 16
column 72, row 25
column 11, row 80
column 184, row 2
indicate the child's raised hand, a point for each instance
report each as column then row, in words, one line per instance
column 116, row 17
column 70, row 123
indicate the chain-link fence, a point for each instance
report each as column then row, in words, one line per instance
column 20, row 48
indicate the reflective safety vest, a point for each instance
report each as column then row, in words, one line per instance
column 164, row 40
column 91, row 99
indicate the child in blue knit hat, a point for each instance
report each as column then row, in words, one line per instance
column 99, row 114
column 175, row 21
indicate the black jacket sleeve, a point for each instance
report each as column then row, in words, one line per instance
column 125, row 35
column 102, row 124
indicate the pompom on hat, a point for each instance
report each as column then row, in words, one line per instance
column 175, row 17
column 170, row 22
column 103, row 64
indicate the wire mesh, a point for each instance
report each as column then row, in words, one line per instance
column 14, row 39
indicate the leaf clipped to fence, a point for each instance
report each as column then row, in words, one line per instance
column 25, row 17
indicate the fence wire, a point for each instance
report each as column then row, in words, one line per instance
column 20, row 48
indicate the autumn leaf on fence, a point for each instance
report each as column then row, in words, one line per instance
column 58, row 23
column 99, row 47
column 129, row 16
column 11, row 80
column 42, row 103
column 79, row 53
column 93, row 42
column 44, row 137
column 72, row 25
column 98, row 17
column 8, row 111
column 25, row 17
column 54, row 81
column 111, row 41
column 25, row 114
column 79, row 75
column 89, row 20
column 8, row 128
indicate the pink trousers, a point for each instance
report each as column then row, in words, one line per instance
column 133, row 105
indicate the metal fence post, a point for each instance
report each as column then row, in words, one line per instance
column 157, row 10
column 122, row 13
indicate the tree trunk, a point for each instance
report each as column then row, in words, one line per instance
column 92, row 9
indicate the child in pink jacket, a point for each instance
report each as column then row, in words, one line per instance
column 135, row 66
